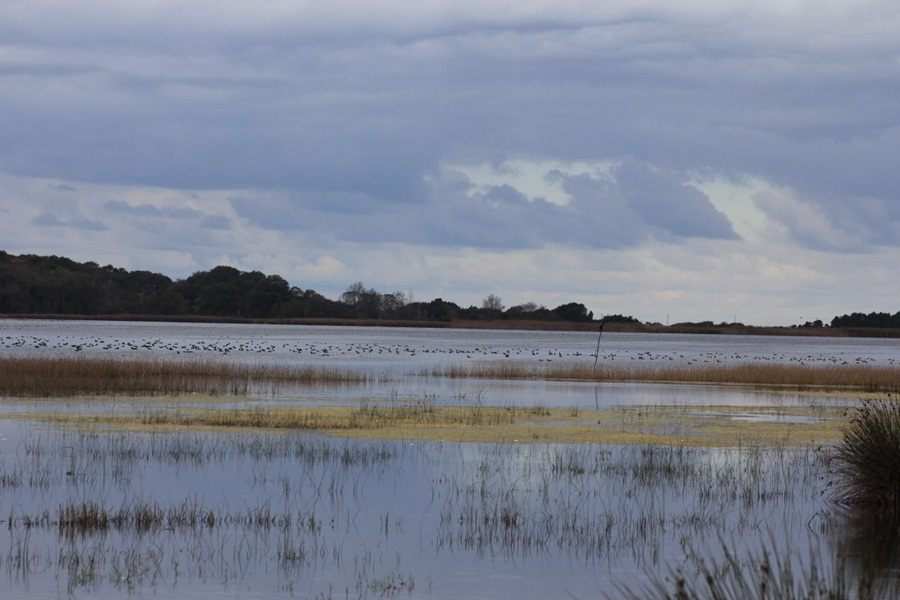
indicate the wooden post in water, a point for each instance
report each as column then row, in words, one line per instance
column 597, row 351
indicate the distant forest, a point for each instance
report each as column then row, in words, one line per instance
column 55, row 285
column 874, row 319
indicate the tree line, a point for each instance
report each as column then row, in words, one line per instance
column 873, row 319
column 32, row 284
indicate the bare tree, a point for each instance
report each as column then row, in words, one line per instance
column 354, row 293
column 393, row 301
column 492, row 302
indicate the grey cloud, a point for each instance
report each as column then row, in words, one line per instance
column 667, row 202
column 260, row 84
column 215, row 222
column 47, row 219
column 43, row 70
column 150, row 211
column 453, row 212
column 554, row 176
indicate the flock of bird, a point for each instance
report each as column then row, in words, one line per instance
column 421, row 351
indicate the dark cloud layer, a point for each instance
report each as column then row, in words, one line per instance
column 635, row 204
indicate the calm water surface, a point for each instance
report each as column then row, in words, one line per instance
column 412, row 349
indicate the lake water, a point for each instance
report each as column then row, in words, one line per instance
column 412, row 349
column 298, row 515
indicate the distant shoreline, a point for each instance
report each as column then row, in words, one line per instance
column 511, row 325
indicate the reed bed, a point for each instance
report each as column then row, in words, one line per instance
column 53, row 377
column 84, row 518
column 856, row 377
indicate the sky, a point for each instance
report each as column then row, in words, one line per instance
column 673, row 161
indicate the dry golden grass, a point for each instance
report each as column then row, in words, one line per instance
column 863, row 378
column 66, row 377
column 54, row 377
column 712, row 426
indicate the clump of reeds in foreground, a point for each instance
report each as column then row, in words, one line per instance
column 763, row 574
column 868, row 458
column 38, row 377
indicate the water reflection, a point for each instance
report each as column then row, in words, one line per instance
column 869, row 539
column 439, row 391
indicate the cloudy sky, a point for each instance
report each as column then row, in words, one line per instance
column 696, row 159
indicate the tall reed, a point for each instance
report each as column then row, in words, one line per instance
column 860, row 377
column 58, row 376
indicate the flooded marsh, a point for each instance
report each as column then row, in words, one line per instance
column 295, row 513
column 304, row 463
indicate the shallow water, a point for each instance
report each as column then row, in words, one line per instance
column 305, row 516
column 442, row 391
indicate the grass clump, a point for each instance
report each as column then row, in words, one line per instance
column 868, row 458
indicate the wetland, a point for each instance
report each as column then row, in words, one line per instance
column 231, row 461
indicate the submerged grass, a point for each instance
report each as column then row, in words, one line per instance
column 85, row 518
column 710, row 426
column 256, row 507
column 856, row 377
column 764, row 574
column 53, row 377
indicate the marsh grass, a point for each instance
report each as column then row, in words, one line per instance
column 365, row 417
column 762, row 574
column 305, row 495
column 571, row 511
column 707, row 426
column 868, row 458
column 53, row 377
column 83, row 518
column 856, row 377
column 43, row 377
column 87, row 518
